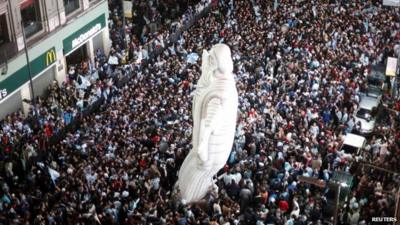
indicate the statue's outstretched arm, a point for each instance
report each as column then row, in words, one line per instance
column 208, row 123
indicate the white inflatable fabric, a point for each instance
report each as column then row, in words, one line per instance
column 215, row 106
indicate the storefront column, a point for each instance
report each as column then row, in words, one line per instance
column 90, row 50
column 26, row 94
column 20, row 43
column 60, row 10
column 54, row 12
column 106, row 41
column 61, row 67
column 85, row 4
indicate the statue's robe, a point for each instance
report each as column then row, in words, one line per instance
column 216, row 107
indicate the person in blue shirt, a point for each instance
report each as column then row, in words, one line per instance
column 326, row 116
column 67, row 117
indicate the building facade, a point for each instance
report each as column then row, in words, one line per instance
column 58, row 33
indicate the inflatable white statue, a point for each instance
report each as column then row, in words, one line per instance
column 215, row 106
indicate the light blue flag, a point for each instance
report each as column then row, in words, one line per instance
column 53, row 174
column 192, row 58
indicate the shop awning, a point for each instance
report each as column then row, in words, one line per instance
column 26, row 3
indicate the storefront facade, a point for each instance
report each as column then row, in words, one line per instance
column 85, row 41
column 48, row 58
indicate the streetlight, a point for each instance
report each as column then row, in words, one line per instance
column 29, row 69
column 337, row 201
column 324, row 184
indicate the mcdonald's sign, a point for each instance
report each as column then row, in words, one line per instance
column 20, row 77
column 50, row 56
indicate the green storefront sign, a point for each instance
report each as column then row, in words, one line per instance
column 83, row 34
column 21, row 76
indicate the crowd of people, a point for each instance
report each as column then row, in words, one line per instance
column 151, row 16
column 300, row 67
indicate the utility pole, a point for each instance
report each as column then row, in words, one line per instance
column 29, row 69
column 337, row 201
column 323, row 184
column 397, row 214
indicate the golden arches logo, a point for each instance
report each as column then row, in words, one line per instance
column 50, row 57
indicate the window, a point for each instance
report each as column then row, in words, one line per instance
column 31, row 18
column 364, row 114
column 8, row 48
column 93, row 1
column 4, row 37
column 70, row 6
column 348, row 149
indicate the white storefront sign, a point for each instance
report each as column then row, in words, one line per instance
column 83, row 37
column 3, row 93
column 391, row 66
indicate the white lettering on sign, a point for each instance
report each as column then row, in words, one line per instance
column 384, row 219
column 83, row 37
column 3, row 93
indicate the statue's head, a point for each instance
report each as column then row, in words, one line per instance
column 217, row 63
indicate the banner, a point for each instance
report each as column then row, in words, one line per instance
column 391, row 2
column 391, row 67
column 127, row 5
